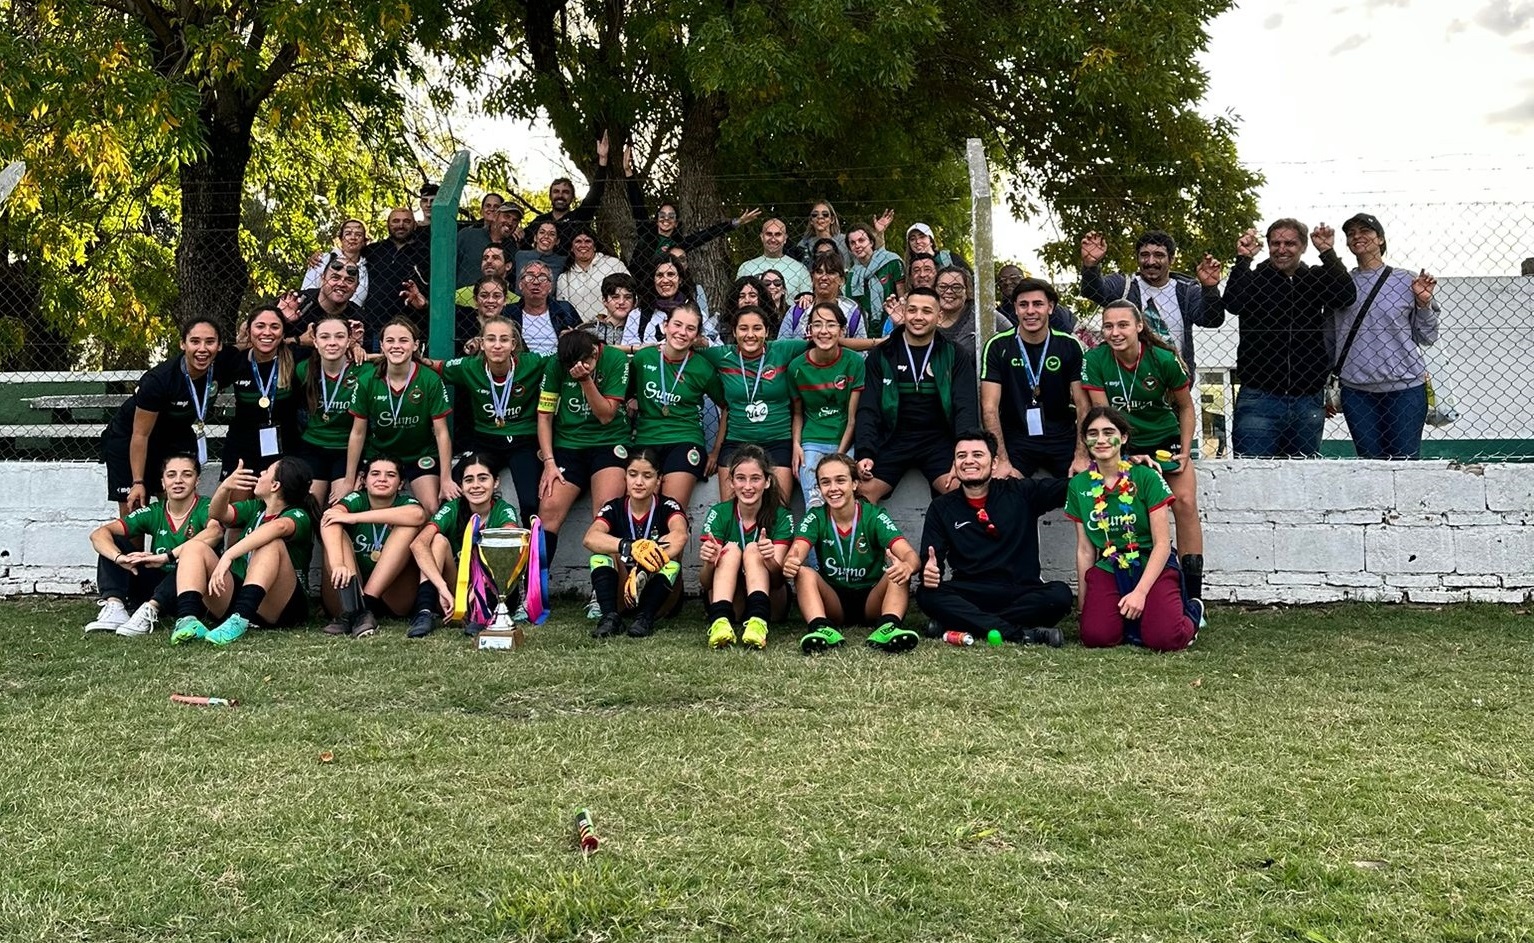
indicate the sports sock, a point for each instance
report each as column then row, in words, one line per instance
column 818, row 623
column 1193, row 574
column 892, row 619
column 189, row 603
column 550, row 548
column 247, row 601
column 426, row 598
column 376, row 606
column 604, row 580
column 758, row 606
column 655, row 593
column 720, row 609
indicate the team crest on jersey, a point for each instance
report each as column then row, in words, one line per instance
column 841, row 383
column 416, row 395
column 518, row 390
column 1150, row 384
column 1052, row 364
column 770, row 373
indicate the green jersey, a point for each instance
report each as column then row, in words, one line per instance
column 575, row 426
column 503, row 407
column 368, row 539
column 1124, row 525
column 249, row 515
column 400, row 420
column 329, row 423
column 453, row 518
column 825, row 394
column 670, row 395
column 1142, row 392
column 723, row 524
column 153, row 520
column 851, row 559
column 756, row 392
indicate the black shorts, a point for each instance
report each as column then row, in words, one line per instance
column 325, row 465
column 114, row 452
column 579, row 466
column 295, row 613
column 498, row 451
column 411, row 469
column 854, row 602
column 682, row 457
column 932, row 457
column 1028, row 454
column 781, row 452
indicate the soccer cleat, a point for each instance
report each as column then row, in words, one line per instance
column 721, row 634
column 933, row 630
column 610, row 624
column 230, row 631
column 643, row 626
column 187, row 629
column 891, row 638
column 754, row 633
column 144, row 619
column 365, row 626
column 1050, row 636
column 472, row 629
column 113, row 614
column 422, row 625
column 820, row 640
column 593, row 608
column 341, row 624
column 1200, row 623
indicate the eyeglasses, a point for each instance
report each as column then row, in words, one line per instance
column 820, row 214
column 664, row 215
column 950, row 289
column 984, row 518
column 535, row 278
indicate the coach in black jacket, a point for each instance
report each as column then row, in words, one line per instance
column 1281, row 358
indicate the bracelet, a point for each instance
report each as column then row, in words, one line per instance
column 138, row 481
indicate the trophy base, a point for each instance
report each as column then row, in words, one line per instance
column 502, row 634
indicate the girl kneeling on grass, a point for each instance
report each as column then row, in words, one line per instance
column 1126, row 570
column 634, row 535
column 369, row 571
column 865, row 566
column 260, row 579
column 743, row 544
column 437, row 545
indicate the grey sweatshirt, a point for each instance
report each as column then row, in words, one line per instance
column 1385, row 357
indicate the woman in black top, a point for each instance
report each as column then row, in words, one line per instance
column 267, row 396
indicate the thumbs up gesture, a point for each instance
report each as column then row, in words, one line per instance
column 931, row 573
column 896, row 570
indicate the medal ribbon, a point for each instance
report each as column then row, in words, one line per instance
column 380, row 531
column 396, row 404
column 500, row 402
column 1133, row 378
column 199, row 406
column 931, row 346
column 761, row 367
column 330, row 400
column 644, row 530
column 852, row 535
column 676, row 379
column 267, row 386
column 1034, row 378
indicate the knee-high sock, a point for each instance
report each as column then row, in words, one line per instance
column 1193, row 574
column 604, row 581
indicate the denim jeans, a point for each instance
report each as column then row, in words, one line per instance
column 813, row 453
column 1271, row 425
column 1386, row 425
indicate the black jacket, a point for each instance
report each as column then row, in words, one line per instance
column 969, row 552
column 878, row 420
column 1284, row 322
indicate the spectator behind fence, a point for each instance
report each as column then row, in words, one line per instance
column 1007, row 279
column 1378, row 340
column 919, row 240
column 956, row 309
column 1281, row 356
column 490, row 294
column 351, row 243
column 1030, row 389
column 1171, row 302
column 472, row 239
column 827, row 275
column 654, row 236
column 777, row 293
column 580, row 284
column 546, row 249
column 710, row 320
column 561, row 193
column 876, row 274
column 541, row 318
column 493, row 263
column 921, row 392
column 398, row 267
column 747, row 292
column 612, row 320
column 985, row 535
column 333, row 299
column 921, row 271
column 795, row 276
column 428, row 199
column 669, row 288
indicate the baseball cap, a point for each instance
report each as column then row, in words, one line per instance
column 922, row 228
column 1367, row 221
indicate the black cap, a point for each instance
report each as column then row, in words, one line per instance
column 429, row 189
column 1366, row 220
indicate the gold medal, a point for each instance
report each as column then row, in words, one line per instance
column 324, row 417
column 264, row 402
column 375, row 555
column 199, row 429
column 665, row 411
column 499, row 422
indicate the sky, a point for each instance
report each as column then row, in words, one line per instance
column 1419, row 111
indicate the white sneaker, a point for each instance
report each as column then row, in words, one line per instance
column 112, row 615
column 143, row 621
column 593, row 608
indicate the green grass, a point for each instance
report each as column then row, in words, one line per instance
column 1344, row 774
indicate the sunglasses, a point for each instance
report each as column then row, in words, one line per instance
column 350, row 270
column 820, row 214
column 665, row 216
column 984, row 518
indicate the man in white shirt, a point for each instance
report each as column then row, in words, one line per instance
column 796, row 278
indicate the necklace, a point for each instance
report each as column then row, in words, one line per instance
column 1101, row 517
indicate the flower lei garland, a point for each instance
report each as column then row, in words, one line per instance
column 1125, row 490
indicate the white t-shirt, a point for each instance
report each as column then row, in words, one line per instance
column 538, row 331
column 1168, row 311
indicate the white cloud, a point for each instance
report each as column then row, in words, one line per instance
column 1504, row 18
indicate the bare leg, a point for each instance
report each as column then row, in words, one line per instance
column 427, row 490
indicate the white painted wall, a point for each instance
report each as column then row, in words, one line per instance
column 1295, row 532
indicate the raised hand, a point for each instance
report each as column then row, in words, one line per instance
column 1093, row 248
column 865, row 469
column 602, row 150
column 1423, row 287
column 1209, row 271
column 747, row 216
column 1323, row 237
column 241, row 479
column 288, row 305
column 708, row 550
column 410, row 292
column 883, row 220
column 931, row 573
column 1248, row 245
column 628, row 161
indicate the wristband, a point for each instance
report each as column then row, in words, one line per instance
column 138, row 481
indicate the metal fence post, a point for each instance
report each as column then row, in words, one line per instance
column 980, row 236
column 444, row 255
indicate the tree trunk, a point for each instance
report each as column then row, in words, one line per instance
column 211, row 272
column 697, row 191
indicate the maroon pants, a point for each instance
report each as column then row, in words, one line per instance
column 1164, row 627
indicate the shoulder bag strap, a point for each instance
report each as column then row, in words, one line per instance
column 1358, row 321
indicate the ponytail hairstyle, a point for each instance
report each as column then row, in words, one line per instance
column 415, row 334
column 293, row 479
column 313, row 395
column 1148, row 337
column 284, row 352
column 772, row 501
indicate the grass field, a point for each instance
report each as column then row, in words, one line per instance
column 1344, row 774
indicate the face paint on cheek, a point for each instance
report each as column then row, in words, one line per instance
column 1115, row 441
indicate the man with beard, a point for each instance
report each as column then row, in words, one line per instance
column 399, row 267
column 1007, row 277
column 1172, row 302
column 986, row 537
column 333, row 299
column 561, row 195
column 918, row 391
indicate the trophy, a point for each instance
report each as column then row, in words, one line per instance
column 490, row 564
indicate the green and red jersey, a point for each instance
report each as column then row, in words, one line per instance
column 670, row 396
column 400, row 419
column 724, row 525
column 165, row 534
column 487, row 399
column 825, row 394
column 575, row 425
column 1108, row 518
column 329, row 424
column 1142, row 391
column 251, row 514
column 756, row 391
column 854, row 558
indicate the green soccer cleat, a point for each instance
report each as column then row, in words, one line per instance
column 187, row 629
column 820, row 640
column 721, row 634
column 890, row 638
column 754, row 634
column 230, row 631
